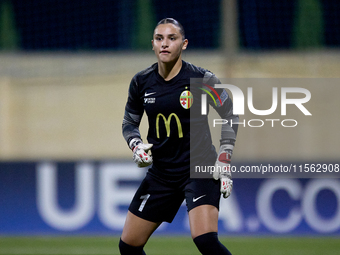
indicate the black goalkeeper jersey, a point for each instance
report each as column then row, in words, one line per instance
column 178, row 130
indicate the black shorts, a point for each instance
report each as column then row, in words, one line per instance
column 158, row 201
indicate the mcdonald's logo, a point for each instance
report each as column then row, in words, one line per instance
column 167, row 124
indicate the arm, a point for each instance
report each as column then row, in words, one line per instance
column 130, row 127
column 227, row 142
column 224, row 108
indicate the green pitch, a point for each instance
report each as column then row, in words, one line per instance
column 164, row 245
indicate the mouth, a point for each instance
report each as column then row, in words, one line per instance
column 164, row 52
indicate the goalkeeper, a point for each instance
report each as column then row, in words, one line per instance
column 164, row 92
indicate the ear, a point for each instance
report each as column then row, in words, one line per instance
column 152, row 44
column 185, row 44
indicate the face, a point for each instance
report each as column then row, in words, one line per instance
column 168, row 43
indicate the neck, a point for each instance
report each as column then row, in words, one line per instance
column 169, row 70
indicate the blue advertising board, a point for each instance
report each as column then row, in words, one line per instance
column 92, row 197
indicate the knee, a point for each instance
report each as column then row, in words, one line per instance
column 209, row 244
column 205, row 240
column 126, row 249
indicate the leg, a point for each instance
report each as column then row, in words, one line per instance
column 137, row 231
column 152, row 204
column 204, row 225
column 203, row 219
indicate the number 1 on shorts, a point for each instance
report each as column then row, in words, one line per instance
column 145, row 198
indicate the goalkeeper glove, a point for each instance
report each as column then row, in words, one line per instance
column 140, row 152
column 222, row 169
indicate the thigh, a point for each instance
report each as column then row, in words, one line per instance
column 203, row 219
column 137, row 231
column 203, row 198
column 156, row 201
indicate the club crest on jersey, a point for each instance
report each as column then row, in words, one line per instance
column 186, row 99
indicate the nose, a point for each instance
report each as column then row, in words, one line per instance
column 165, row 43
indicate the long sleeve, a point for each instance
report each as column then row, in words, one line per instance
column 133, row 113
column 224, row 107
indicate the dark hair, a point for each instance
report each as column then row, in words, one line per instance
column 174, row 22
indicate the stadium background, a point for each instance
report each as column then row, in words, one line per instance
column 65, row 67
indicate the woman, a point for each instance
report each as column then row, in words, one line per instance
column 164, row 92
